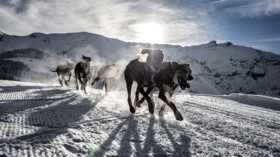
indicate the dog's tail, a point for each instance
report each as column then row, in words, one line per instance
column 53, row 70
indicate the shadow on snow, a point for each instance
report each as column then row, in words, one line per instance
column 151, row 146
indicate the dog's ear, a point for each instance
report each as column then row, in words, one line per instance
column 68, row 63
column 148, row 51
column 144, row 51
column 187, row 64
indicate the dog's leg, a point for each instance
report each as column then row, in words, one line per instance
column 148, row 99
column 97, row 77
column 132, row 110
column 60, row 81
column 110, row 83
column 129, row 83
column 81, row 81
column 168, row 96
column 160, row 113
column 171, row 105
column 65, row 80
column 69, row 77
column 84, row 85
column 76, row 80
column 152, row 94
column 106, row 86
column 150, row 90
column 136, row 103
column 95, row 80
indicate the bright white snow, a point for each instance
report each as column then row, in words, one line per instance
column 49, row 120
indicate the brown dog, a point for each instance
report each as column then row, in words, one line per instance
column 109, row 73
column 64, row 70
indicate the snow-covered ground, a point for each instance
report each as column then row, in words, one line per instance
column 49, row 120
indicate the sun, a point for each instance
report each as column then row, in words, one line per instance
column 150, row 33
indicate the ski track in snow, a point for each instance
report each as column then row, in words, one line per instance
column 44, row 120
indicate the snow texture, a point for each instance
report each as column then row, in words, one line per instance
column 49, row 120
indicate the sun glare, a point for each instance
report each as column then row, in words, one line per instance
column 150, row 33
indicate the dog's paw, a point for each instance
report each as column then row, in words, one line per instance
column 178, row 116
column 151, row 111
column 132, row 110
column 137, row 103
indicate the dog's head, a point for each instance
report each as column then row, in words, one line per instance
column 154, row 56
column 182, row 74
column 70, row 65
column 85, row 58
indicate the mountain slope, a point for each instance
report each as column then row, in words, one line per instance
column 217, row 68
column 44, row 120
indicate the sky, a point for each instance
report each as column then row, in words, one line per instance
column 252, row 23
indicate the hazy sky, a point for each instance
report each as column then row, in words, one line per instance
column 253, row 23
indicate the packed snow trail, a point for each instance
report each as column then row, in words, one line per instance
column 43, row 120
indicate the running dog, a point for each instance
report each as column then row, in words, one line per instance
column 167, row 83
column 170, row 76
column 64, row 70
column 143, row 74
column 83, row 72
column 109, row 73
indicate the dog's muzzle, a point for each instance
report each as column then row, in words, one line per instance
column 190, row 78
column 183, row 83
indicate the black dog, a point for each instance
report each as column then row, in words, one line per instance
column 143, row 74
column 171, row 75
column 83, row 72
column 167, row 80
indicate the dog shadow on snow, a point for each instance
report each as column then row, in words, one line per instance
column 17, row 98
column 58, row 116
column 16, row 88
column 129, row 129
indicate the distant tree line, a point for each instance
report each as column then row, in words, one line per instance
column 24, row 53
column 9, row 69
